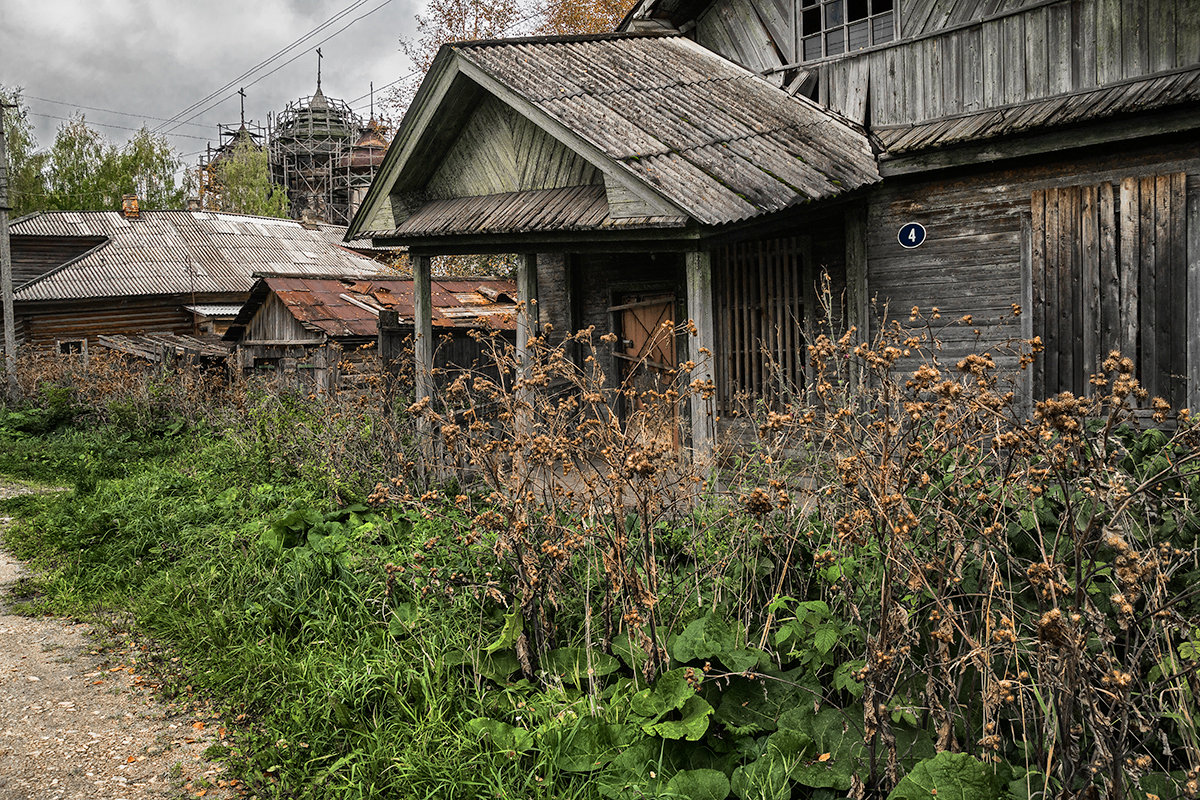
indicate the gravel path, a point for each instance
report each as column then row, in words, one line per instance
column 77, row 719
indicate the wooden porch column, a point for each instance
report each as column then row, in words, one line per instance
column 700, row 311
column 527, row 325
column 423, row 334
column 1193, row 302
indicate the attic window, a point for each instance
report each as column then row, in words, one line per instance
column 834, row 27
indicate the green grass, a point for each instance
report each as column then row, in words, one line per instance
column 339, row 701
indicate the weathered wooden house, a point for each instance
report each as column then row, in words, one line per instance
column 710, row 160
column 84, row 274
column 304, row 331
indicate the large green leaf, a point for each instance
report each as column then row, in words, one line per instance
column 638, row 770
column 669, row 692
column 697, row 784
column 837, row 751
column 762, row 779
column 514, row 625
column 501, row 734
column 574, row 664
column 691, row 725
column 705, row 638
column 948, row 776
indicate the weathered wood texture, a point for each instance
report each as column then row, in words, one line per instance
column 275, row 322
column 960, row 56
column 1043, row 51
column 501, row 151
column 702, row 349
column 41, row 323
column 971, row 262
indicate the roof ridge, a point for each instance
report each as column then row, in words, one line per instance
column 565, row 38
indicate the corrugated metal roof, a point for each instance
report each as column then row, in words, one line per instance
column 1109, row 102
column 214, row 309
column 181, row 252
column 717, row 141
column 341, row 307
column 571, row 209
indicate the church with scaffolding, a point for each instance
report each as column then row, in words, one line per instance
column 319, row 150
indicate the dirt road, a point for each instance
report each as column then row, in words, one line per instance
column 78, row 720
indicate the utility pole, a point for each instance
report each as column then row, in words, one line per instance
column 6, row 276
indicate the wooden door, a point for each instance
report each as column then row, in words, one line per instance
column 646, row 358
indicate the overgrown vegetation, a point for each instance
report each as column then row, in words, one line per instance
column 901, row 587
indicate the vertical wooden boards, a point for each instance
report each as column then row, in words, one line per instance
column 1061, row 44
column 1177, row 284
column 1083, row 57
column 1187, row 34
column 972, row 69
column 1160, row 35
column 1013, row 42
column 1135, row 45
column 1039, row 57
column 1070, row 344
column 702, row 349
column 856, row 271
column 1147, row 271
column 1130, row 256
column 1192, row 256
column 1108, row 42
column 1029, row 292
column 1110, row 273
column 993, row 63
column 857, row 72
column 1037, row 252
column 1053, row 342
column 1089, row 243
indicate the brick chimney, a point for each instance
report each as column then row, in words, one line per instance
column 129, row 206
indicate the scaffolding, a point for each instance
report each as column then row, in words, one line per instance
column 311, row 144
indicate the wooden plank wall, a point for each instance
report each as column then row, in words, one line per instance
column 1047, row 50
column 500, row 151
column 971, row 262
column 45, row 322
column 274, row 322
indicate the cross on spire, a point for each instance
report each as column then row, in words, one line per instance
column 242, row 94
column 319, row 57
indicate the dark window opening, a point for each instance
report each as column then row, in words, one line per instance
column 834, row 27
column 72, row 347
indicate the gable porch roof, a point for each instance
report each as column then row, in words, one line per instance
column 683, row 138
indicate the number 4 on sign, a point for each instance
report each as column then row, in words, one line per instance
column 911, row 235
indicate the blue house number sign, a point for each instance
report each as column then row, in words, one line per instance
column 911, row 235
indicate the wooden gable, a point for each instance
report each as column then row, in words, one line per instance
column 499, row 150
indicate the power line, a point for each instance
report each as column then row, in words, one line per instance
column 104, row 110
column 118, row 127
column 353, row 6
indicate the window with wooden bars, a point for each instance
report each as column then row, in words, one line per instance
column 761, row 306
column 1110, row 272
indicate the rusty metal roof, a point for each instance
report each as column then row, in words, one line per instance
column 182, row 252
column 715, row 140
column 350, row 306
column 1128, row 97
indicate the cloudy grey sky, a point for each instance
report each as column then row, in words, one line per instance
column 154, row 58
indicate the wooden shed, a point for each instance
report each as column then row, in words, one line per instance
column 715, row 157
column 305, row 331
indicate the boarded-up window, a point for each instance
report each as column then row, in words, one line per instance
column 1110, row 273
column 760, row 301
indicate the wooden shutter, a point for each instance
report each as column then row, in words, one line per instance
column 1110, row 273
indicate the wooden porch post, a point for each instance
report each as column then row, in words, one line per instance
column 422, row 267
column 1193, row 302
column 701, row 351
column 527, row 325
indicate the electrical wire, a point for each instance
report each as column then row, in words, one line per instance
column 118, row 127
column 352, row 7
column 104, row 110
